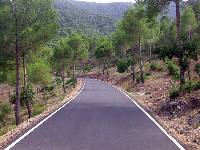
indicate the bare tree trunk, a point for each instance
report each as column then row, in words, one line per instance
column 133, row 73
column 182, row 75
column 150, row 52
column 189, row 74
column 104, row 66
column 17, row 59
column 63, row 77
column 74, row 70
column 28, row 105
column 141, row 63
column 24, row 70
column 45, row 99
column 108, row 75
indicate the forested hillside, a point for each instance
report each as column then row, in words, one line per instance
column 89, row 17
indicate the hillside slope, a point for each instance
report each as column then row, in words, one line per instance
column 89, row 17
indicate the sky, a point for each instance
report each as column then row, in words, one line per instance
column 108, row 1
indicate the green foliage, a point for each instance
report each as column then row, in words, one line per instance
column 188, row 21
column 5, row 109
column 71, row 82
column 174, row 92
column 173, row 69
column 156, row 67
column 135, row 23
column 88, row 18
column 122, row 66
column 187, row 87
column 104, row 48
column 87, row 68
column 3, row 76
column 40, row 72
column 26, row 96
column 38, row 108
column 77, row 47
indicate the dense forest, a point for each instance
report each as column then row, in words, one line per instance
column 45, row 45
column 89, row 18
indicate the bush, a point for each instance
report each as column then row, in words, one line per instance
column 155, row 67
column 38, row 109
column 5, row 109
column 87, row 68
column 174, row 92
column 122, row 66
column 173, row 70
column 71, row 82
column 187, row 87
column 26, row 95
column 3, row 76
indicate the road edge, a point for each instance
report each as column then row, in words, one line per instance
column 148, row 115
column 44, row 120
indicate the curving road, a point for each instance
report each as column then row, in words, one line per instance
column 100, row 118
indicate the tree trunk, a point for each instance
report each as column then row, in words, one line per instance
column 133, row 73
column 189, row 74
column 182, row 75
column 45, row 99
column 24, row 70
column 150, row 52
column 141, row 63
column 178, row 21
column 28, row 105
column 74, row 69
column 63, row 77
column 17, row 59
column 108, row 75
column 104, row 66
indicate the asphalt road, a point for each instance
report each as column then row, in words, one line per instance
column 100, row 118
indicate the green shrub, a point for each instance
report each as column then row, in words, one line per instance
column 38, row 108
column 26, row 95
column 156, row 67
column 174, row 92
column 122, row 66
column 71, row 82
column 3, row 76
column 153, row 66
column 5, row 109
column 187, row 87
column 87, row 68
column 173, row 70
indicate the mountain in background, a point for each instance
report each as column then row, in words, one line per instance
column 89, row 17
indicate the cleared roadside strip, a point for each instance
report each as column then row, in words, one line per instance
column 41, row 122
column 149, row 116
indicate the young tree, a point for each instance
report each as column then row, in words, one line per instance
column 135, row 24
column 40, row 73
column 188, row 27
column 30, row 23
column 104, row 52
column 77, row 50
column 61, row 57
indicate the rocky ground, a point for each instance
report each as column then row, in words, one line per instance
column 179, row 116
column 12, row 134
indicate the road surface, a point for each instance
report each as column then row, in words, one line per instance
column 100, row 118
